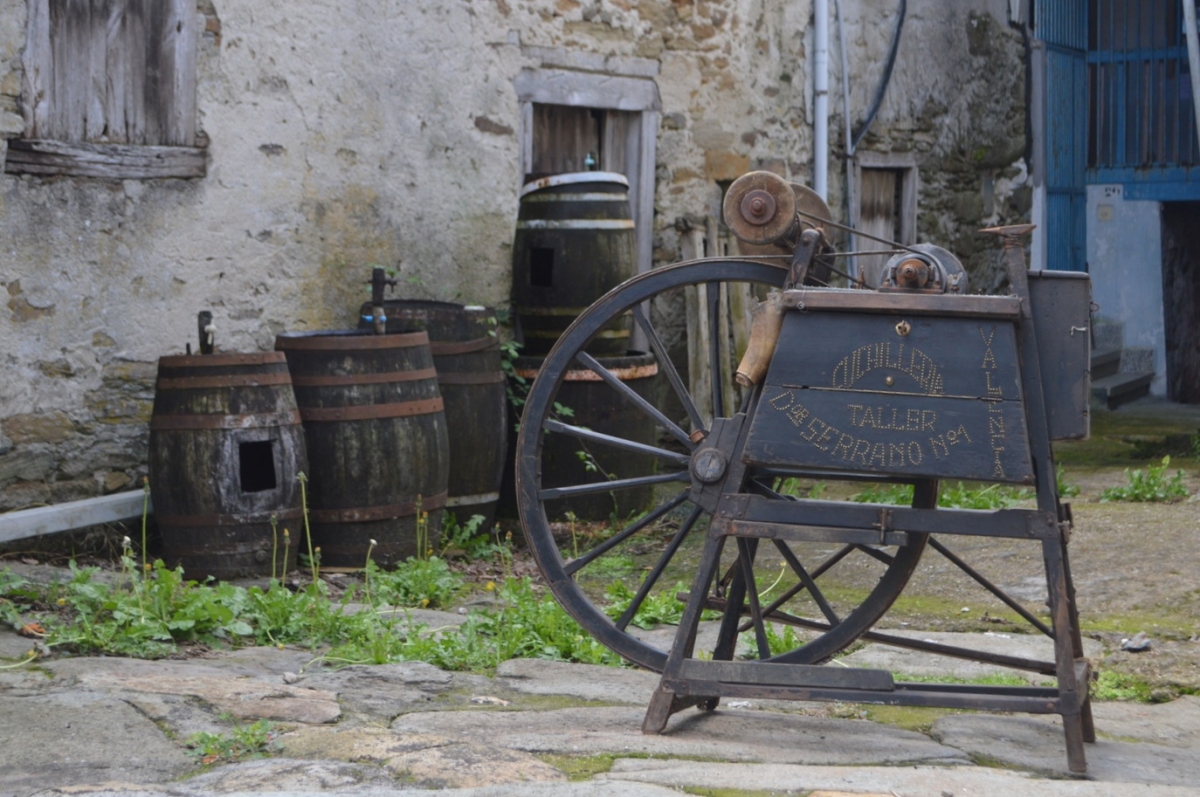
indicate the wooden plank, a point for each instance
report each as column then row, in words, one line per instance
column 937, row 356
column 566, row 87
column 562, row 138
column 183, row 33
column 71, row 515
column 877, row 216
column 133, row 36
column 713, row 247
column 114, row 161
column 994, row 699
column 37, row 88
column 795, row 533
column 797, row 675
column 855, row 301
column 116, row 69
column 95, row 87
column 906, row 436
column 1011, row 523
column 696, row 299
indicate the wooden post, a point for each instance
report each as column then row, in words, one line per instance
column 699, row 374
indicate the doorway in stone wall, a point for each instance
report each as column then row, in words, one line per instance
column 1181, row 298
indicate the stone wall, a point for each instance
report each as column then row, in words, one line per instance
column 384, row 133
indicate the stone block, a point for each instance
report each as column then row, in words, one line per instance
column 50, row 427
column 725, row 165
column 27, row 464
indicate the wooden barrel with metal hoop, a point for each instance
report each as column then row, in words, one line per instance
column 574, row 243
column 225, row 447
column 466, row 354
column 376, row 432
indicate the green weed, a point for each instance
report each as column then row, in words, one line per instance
column 468, row 538
column 423, row 583
column 150, row 616
column 245, row 741
column 1111, row 685
column 1150, row 485
column 1066, row 489
column 658, row 608
column 955, row 496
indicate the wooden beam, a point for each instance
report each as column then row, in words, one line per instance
column 113, row 161
column 71, row 515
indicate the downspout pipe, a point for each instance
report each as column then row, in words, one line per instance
column 821, row 97
column 1193, row 48
column 851, row 189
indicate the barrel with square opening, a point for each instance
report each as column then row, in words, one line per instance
column 376, row 433
column 574, row 243
column 225, row 448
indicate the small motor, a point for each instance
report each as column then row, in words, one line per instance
column 925, row 269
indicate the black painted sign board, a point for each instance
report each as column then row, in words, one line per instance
column 922, row 396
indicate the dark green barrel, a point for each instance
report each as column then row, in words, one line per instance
column 466, row 354
column 376, row 434
column 225, row 448
column 574, row 243
column 600, row 408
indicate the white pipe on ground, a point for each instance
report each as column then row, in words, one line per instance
column 1193, row 48
column 821, row 97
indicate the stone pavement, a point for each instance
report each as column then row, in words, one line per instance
column 111, row 726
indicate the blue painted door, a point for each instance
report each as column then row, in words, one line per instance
column 1062, row 26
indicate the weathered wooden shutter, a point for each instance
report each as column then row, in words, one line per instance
column 104, row 79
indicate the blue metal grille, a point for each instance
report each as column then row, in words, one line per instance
column 1062, row 23
column 1141, row 123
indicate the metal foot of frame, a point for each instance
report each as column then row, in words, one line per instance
column 664, row 703
column 1073, row 729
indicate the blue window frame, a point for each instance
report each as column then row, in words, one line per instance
column 1141, row 125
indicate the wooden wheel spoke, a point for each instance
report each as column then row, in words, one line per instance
column 875, row 553
column 807, row 580
column 580, row 432
column 760, row 630
column 663, row 560
column 772, row 609
column 668, row 368
column 642, row 404
column 575, row 565
column 550, row 493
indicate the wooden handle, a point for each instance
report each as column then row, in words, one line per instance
column 765, row 323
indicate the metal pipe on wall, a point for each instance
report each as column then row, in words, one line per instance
column 851, row 189
column 821, row 97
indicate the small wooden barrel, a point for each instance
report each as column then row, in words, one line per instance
column 466, row 354
column 225, row 447
column 574, row 243
column 376, row 432
column 601, row 409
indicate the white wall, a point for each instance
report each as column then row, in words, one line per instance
column 1124, row 255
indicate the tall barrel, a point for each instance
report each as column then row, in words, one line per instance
column 466, row 354
column 574, row 243
column 376, row 433
column 225, row 448
column 567, row 460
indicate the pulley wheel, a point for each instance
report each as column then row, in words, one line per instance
column 759, row 207
column 809, row 205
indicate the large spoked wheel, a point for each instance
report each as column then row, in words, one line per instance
column 570, row 452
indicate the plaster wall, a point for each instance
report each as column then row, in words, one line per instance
column 383, row 132
column 1124, row 256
